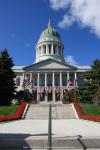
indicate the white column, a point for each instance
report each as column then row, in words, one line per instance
column 60, row 79
column 47, row 49
column 67, row 79
column 31, row 77
column 38, row 80
column 36, row 52
column 22, row 80
column 45, row 79
column 75, row 79
column 53, row 85
column 61, row 88
column 53, row 79
column 67, row 76
column 46, row 87
column 75, row 76
column 42, row 50
column 52, row 49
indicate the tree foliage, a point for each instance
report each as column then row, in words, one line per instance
column 7, row 84
column 92, row 81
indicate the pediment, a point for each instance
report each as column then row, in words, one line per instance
column 49, row 65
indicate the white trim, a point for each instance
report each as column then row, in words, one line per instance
column 25, row 111
column 75, row 111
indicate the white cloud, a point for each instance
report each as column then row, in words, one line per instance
column 66, row 21
column 59, row 4
column 70, row 60
column 85, row 12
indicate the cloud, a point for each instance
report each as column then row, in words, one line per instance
column 59, row 4
column 66, row 21
column 70, row 60
column 85, row 12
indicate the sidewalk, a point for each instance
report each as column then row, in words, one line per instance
column 34, row 134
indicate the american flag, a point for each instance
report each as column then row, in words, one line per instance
column 24, row 83
column 49, row 90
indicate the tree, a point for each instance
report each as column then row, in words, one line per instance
column 92, row 80
column 71, row 95
column 7, row 84
column 25, row 95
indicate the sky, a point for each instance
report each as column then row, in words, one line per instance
column 78, row 23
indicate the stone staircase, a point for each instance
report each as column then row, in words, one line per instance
column 59, row 111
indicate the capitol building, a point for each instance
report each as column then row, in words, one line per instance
column 49, row 76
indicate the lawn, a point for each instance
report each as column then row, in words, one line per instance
column 91, row 109
column 8, row 110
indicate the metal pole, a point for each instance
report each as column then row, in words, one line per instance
column 50, row 128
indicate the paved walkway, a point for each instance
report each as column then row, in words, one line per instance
column 68, row 132
column 58, row 112
column 34, row 134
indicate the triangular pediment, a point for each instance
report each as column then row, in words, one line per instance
column 49, row 64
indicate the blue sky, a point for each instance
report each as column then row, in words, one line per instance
column 22, row 21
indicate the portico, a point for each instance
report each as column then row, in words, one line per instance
column 46, row 83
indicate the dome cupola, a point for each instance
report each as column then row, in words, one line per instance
column 49, row 45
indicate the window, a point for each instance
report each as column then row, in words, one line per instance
column 49, row 48
column 59, row 50
column 18, row 81
column 54, row 49
column 44, row 49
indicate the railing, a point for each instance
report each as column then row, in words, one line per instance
column 50, row 128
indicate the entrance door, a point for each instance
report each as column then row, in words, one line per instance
column 50, row 96
column 57, row 96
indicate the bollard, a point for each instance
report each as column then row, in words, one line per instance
column 50, row 128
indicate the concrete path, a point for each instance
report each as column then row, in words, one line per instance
column 67, row 134
column 58, row 112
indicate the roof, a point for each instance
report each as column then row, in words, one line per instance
column 50, row 64
column 18, row 67
column 49, row 34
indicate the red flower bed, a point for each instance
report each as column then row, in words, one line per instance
column 17, row 115
column 82, row 115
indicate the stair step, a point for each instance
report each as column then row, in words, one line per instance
column 58, row 112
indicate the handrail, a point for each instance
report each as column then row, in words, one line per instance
column 50, row 128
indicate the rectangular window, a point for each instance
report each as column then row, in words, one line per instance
column 54, row 49
column 18, row 81
column 49, row 48
column 59, row 50
column 44, row 49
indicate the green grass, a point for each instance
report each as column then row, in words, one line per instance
column 91, row 109
column 8, row 110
